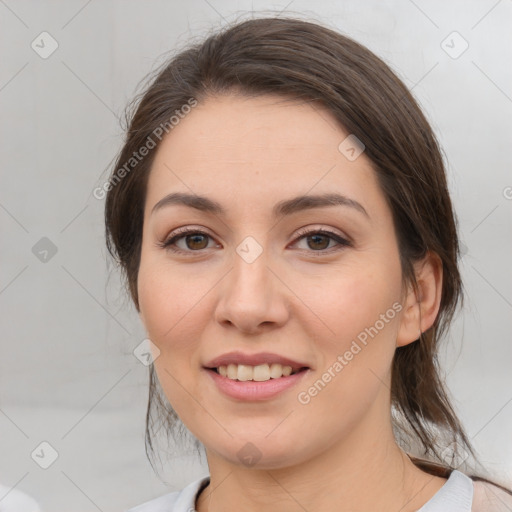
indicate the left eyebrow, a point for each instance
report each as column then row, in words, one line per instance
column 283, row 208
column 300, row 203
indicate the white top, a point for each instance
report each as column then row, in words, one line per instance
column 12, row 500
column 458, row 494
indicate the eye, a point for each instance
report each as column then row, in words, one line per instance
column 319, row 240
column 195, row 240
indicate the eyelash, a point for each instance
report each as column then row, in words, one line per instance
column 304, row 233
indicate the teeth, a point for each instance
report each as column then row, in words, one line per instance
column 260, row 373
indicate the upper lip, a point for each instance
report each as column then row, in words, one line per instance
column 253, row 360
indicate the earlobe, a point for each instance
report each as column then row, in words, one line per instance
column 421, row 306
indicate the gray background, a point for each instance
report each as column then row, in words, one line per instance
column 67, row 372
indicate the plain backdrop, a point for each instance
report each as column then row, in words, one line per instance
column 68, row 375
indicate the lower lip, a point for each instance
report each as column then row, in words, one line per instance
column 252, row 390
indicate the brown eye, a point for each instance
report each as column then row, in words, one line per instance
column 318, row 241
column 194, row 241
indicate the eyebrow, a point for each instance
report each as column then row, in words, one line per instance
column 286, row 207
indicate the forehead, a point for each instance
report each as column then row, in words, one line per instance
column 228, row 126
column 258, row 149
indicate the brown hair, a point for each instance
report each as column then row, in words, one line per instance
column 306, row 61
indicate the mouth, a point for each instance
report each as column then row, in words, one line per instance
column 259, row 373
column 258, row 383
column 255, row 377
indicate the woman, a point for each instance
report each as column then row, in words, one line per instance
column 281, row 213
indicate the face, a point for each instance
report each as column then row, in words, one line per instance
column 314, row 285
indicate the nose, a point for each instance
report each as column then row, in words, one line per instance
column 252, row 296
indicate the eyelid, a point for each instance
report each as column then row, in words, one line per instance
column 322, row 230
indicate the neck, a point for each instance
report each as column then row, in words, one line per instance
column 367, row 471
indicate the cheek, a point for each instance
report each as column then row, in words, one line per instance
column 357, row 358
column 171, row 311
column 361, row 310
column 168, row 299
column 356, row 301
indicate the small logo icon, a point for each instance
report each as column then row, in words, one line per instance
column 249, row 454
column 463, row 249
column 146, row 352
column 454, row 455
column 44, row 250
column 454, row 45
column 403, row 441
column 44, row 45
column 351, row 147
column 44, row 455
column 249, row 250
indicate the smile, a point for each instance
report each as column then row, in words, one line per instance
column 252, row 389
column 259, row 373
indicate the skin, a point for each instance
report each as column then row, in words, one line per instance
column 299, row 299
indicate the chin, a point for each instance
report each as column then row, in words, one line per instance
column 259, row 452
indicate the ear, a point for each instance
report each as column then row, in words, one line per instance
column 422, row 306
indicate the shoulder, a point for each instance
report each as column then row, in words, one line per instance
column 178, row 501
column 490, row 498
